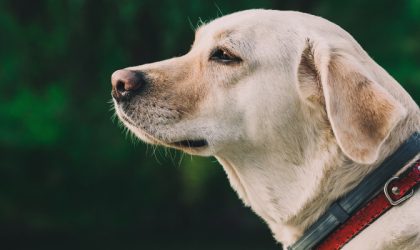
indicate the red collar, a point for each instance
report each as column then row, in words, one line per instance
column 374, row 195
column 396, row 190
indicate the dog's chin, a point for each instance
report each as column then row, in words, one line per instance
column 141, row 134
column 191, row 146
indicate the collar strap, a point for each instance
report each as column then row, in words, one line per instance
column 396, row 190
column 341, row 210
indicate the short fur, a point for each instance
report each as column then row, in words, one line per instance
column 296, row 124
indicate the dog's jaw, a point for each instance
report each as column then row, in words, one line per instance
column 175, row 133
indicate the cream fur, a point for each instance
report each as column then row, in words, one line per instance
column 297, row 124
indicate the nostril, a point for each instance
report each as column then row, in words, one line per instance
column 120, row 86
column 127, row 83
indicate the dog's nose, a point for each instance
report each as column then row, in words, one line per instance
column 125, row 83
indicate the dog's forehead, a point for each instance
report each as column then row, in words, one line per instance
column 214, row 32
column 251, row 25
column 234, row 29
column 229, row 24
column 262, row 21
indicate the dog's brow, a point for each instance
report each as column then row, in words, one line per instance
column 230, row 40
column 223, row 34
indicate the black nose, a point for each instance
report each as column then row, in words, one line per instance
column 126, row 83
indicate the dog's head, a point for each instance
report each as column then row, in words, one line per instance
column 248, row 80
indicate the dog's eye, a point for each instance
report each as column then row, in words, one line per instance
column 223, row 56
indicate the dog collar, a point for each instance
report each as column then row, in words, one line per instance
column 356, row 210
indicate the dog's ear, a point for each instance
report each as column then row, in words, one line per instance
column 360, row 111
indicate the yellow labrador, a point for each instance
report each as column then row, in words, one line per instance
column 291, row 106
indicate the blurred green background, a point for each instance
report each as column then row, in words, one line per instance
column 71, row 179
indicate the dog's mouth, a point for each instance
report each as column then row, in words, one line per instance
column 191, row 143
column 148, row 136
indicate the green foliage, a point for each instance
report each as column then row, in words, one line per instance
column 68, row 173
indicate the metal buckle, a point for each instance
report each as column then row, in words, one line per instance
column 399, row 201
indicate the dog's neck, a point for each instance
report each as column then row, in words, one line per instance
column 290, row 194
column 281, row 192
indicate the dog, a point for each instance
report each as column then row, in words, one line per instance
column 292, row 107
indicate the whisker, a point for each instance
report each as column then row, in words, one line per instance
column 219, row 11
column 180, row 159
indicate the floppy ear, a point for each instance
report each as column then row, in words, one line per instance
column 360, row 111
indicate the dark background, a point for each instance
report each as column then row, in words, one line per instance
column 71, row 179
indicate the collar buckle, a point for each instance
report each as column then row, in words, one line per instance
column 388, row 196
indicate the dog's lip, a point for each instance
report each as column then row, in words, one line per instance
column 181, row 144
column 191, row 143
column 128, row 121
